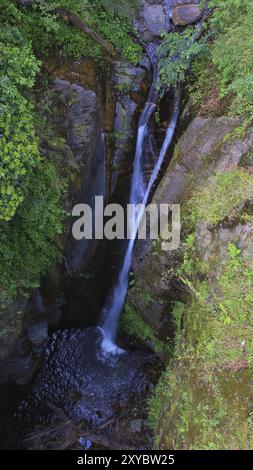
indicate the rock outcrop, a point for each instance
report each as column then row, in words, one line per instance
column 128, row 81
column 155, row 19
column 24, row 340
column 186, row 14
column 159, row 16
column 81, row 127
column 204, row 148
column 72, row 114
column 208, row 378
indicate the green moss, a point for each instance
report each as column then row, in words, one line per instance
column 164, row 386
column 156, row 404
column 144, row 296
column 227, row 313
column 225, row 71
column 177, row 315
column 132, row 324
column 204, row 413
column 218, row 197
column 203, row 401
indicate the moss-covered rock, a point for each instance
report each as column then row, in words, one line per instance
column 208, row 146
column 203, row 400
column 133, row 325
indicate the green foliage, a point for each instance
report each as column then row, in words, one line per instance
column 177, row 315
column 227, row 11
column 8, row 11
column 176, row 53
column 227, row 308
column 49, row 34
column 28, row 243
column 219, row 197
column 164, row 386
column 156, row 401
column 132, row 324
column 203, row 401
column 230, row 58
column 236, row 289
column 219, row 332
column 18, row 145
column 232, row 52
column 203, row 83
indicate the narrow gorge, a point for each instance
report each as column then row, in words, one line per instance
column 117, row 343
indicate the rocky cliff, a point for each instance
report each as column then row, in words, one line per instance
column 191, row 306
column 87, row 121
column 202, row 292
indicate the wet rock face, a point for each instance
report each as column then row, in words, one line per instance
column 128, row 81
column 77, row 119
column 78, row 380
column 171, row 5
column 20, row 351
column 82, row 71
column 212, row 243
column 74, row 116
column 185, row 14
column 38, row 335
column 21, row 356
column 174, row 3
column 197, row 156
column 83, row 121
column 80, row 121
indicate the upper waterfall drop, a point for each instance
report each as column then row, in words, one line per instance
column 139, row 194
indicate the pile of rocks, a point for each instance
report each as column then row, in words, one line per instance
column 158, row 16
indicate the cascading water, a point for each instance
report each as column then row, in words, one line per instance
column 139, row 194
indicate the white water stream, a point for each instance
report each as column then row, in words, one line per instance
column 139, row 194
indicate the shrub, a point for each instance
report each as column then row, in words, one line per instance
column 18, row 144
column 219, row 197
column 50, row 34
column 28, row 243
column 175, row 55
column 229, row 57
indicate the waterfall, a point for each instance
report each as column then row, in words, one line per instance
column 138, row 195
